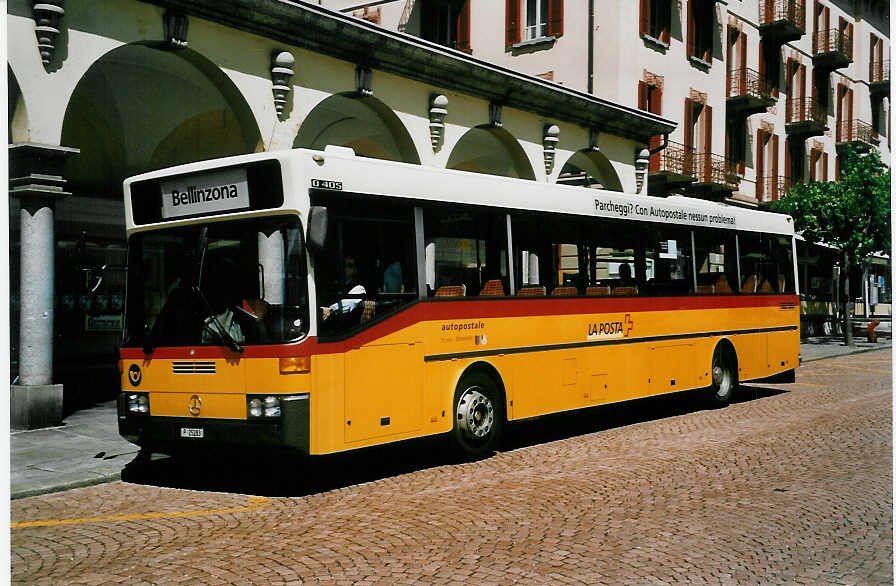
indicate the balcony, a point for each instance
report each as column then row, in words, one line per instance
column 804, row 118
column 715, row 172
column 748, row 92
column 831, row 49
column 879, row 80
column 671, row 167
column 769, row 189
column 856, row 133
column 781, row 21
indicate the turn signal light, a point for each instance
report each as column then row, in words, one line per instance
column 295, row 365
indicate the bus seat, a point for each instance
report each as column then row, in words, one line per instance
column 749, row 284
column 706, row 289
column 492, row 288
column 626, row 290
column 598, row 291
column 532, row 291
column 766, row 287
column 722, row 286
column 564, row 291
column 451, row 291
column 782, row 283
column 368, row 312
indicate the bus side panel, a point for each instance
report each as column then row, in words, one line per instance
column 608, row 371
column 783, row 351
column 438, row 395
column 327, row 403
column 751, row 351
column 383, row 391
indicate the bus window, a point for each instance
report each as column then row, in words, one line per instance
column 778, row 270
column 550, row 254
column 368, row 267
column 613, row 257
column 465, row 250
column 716, row 262
column 766, row 264
column 668, row 266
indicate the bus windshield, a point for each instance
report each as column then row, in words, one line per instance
column 228, row 283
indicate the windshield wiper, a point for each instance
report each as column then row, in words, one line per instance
column 218, row 330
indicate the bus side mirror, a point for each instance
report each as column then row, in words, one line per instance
column 317, row 228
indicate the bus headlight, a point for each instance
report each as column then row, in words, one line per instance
column 266, row 407
column 138, row 403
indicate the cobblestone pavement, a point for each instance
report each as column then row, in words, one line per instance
column 793, row 484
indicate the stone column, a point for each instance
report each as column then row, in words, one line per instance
column 35, row 178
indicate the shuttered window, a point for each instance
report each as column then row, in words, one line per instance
column 655, row 19
column 463, row 28
column 532, row 19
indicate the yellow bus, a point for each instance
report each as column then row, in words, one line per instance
column 319, row 302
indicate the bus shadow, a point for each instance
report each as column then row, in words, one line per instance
column 273, row 475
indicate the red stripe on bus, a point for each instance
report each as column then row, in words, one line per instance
column 468, row 309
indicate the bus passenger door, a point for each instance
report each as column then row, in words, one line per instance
column 383, row 390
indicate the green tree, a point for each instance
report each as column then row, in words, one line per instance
column 852, row 214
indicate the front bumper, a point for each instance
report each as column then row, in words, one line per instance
column 291, row 431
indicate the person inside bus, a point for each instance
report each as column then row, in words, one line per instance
column 625, row 275
column 355, row 294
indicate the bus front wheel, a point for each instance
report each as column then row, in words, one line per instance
column 724, row 376
column 478, row 416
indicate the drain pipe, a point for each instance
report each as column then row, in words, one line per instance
column 590, row 46
column 662, row 146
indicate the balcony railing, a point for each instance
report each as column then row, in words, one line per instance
column 675, row 159
column 788, row 11
column 832, row 41
column 804, row 110
column 880, row 71
column 715, row 169
column 855, row 131
column 772, row 188
column 746, row 82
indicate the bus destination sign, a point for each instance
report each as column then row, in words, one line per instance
column 208, row 193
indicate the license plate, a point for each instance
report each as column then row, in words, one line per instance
column 191, row 432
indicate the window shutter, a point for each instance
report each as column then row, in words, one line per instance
column 824, row 167
column 787, row 166
column 555, row 15
column 743, row 59
column 512, row 23
column 707, row 141
column 656, row 107
column 775, row 162
column 644, row 20
column 760, row 165
column 642, row 95
column 692, row 51
column 463, row 28
column 841, row 91
column 688, row 124
column 813, row 157
column 706, row 14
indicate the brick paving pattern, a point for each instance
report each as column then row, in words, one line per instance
column 791, row 488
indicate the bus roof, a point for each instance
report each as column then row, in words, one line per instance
column 339, row 170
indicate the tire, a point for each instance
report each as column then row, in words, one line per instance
column 478, row 416
column 724, row 376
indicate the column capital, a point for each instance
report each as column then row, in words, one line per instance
column 36, row 171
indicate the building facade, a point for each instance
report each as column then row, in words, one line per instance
column 765, row 93
column 97, row 94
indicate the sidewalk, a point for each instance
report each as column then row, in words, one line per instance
column 87, row 449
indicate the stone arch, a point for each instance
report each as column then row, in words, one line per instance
column 491, row 150
column 590, row 168
column 363, row 123
column 133, row 101
column 17, row 113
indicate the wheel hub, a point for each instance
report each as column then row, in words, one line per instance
column 475, row 413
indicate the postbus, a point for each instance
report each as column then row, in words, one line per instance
column 318, row 302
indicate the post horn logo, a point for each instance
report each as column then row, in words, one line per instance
column 195, row 405
column 134, row 375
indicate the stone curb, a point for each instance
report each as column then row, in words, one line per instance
column 67, row 486
column 847, row 353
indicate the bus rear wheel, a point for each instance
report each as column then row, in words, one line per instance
column 478, row 416
column 724, row 376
